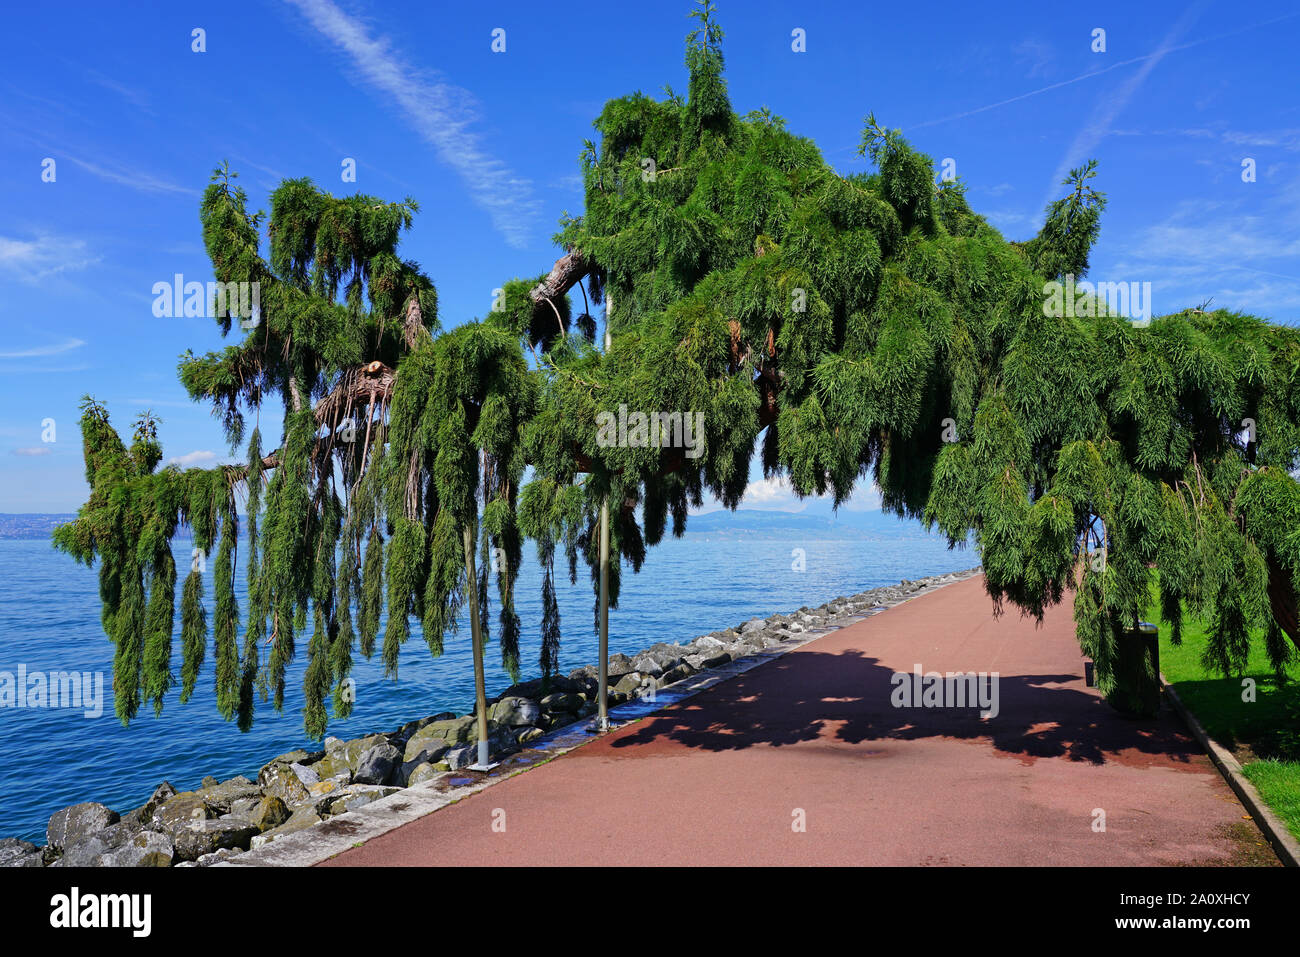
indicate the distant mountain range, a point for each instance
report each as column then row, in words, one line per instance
column 723, row 521
column 31, row 524
column 747, row 519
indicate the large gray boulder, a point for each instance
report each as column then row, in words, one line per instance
column 528, row 735
column 184, row 810
column 708, row 644
column 245, row 807
column 222, row 796
column 279, row 780
column 665, row 655
column 353, row 797
column 216, row 857
column 376, row 765
column 142, row 815
column 403, row 734
column 269, row 813
column 525, row 689
column 558, row 719
column 73, row 824
column 350, row 752
column 88, row 851
column 619, row 665
column 461, row 756
column 500, row 744
column 515, row 712
column 568, row 685
column 682, row 670
column 422, row 772
column 333, row 767
column 424, row 751
column 18, row 853
column 324, row 789
column 144, row 849
column 445, row 732
column 302, row 818
column 299, row 756
column 586, row 675
column 629, row 684
column 563, row 701
column 647, row 665
column 204, row 837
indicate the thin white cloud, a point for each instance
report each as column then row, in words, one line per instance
column 1024, row 96
column 132, row 95
column 34, row 450
column 441, row 113
column 1038, row 55
column 1233, row 252
column 173, row 403
column 1286, row 139
column 198, row 458
column 123, row 176
column 1111, row 105
column 1091, row 73
column 774, row 495
column 1006, row 220
column 66, row 345
column 573, row 183
column 34, row 259
column 28, row 369
column 109, row 171
column 866, row 497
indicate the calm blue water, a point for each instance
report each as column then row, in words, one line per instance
column 49, row 620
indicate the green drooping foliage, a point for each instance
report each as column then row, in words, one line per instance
column 874, row 325
column 1073, row 224
column 456, row 431
column 757, row 301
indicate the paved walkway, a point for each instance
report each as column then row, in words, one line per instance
column 725, row 776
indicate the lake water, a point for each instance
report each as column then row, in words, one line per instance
column 704, row 581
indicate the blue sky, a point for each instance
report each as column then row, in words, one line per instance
column 487, row 142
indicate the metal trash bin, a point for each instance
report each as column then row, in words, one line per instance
column 1137, row 673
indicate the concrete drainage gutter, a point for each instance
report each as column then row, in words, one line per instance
column 344, row 831
column 1279, row 836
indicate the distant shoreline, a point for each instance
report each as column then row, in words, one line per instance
column 30, row 525
column 19, row 526
column 300, row 788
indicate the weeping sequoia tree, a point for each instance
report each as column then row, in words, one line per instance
column 845, row 327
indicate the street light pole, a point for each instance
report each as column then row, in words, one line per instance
column 476, row 636
column 602, row 683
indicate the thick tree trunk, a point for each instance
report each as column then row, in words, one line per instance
column 564, row 275
column 374, row 382
column 1282, row 597
column 602, row 680
column 476, row 633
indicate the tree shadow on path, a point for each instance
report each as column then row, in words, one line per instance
column 845, row 697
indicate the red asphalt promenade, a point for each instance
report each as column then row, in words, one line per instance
column 725, row 777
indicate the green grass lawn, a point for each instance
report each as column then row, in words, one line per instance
column 1263, row 734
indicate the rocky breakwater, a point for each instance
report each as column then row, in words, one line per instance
column 300, row 789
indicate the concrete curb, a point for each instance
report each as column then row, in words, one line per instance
column 1286, row 846
column 342, row 832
